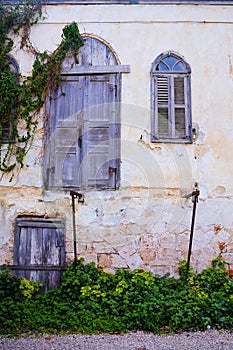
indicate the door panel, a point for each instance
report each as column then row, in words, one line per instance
column 100, row 137
column 39, row 250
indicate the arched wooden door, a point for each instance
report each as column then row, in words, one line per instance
column 82, row 148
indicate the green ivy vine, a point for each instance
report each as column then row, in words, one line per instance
column 21, row 98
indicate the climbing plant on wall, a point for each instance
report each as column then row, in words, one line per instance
column 21, row 98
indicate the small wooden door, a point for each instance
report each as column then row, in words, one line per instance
column 39, row 250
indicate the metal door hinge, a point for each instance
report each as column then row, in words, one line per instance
column 111, row 171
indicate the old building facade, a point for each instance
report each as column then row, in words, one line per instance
column 145, row 114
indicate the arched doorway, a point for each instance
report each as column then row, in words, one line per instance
column 82, row 143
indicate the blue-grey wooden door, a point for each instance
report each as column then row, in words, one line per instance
column 82, row 139
column 39, row 250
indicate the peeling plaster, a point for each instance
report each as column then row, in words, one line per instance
column 146, row 223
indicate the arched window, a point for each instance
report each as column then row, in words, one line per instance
column 171, row 99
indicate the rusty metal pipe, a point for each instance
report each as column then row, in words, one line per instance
column 195, row 195
column 74, row 195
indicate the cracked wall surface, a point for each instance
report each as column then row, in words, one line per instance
column 146, row 223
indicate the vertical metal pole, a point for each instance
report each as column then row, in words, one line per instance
column 191, row 233
column 195, row 195
column 74, row 229
column 80, row 197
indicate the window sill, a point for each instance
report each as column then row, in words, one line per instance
column 183, row 141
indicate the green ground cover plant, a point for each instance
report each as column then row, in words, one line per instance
column 91, row 300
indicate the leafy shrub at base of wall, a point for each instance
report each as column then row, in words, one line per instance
column 93, row 301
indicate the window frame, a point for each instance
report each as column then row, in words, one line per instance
column 170, row 75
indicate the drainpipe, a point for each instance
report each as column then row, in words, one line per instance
column 194, row 195
column 80, row 197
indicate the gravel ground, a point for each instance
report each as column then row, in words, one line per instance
column 209, row 340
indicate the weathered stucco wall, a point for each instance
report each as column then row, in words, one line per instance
column 146, row 223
